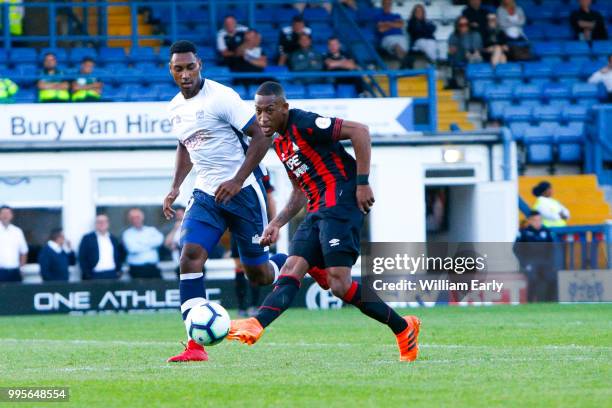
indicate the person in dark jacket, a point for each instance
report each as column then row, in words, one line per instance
column 477, row 16
column 421, row 33
column 535, row 251
column 495, row 43
column 100, row 253
column 588, row 24
column 55, row 257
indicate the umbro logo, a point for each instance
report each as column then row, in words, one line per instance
column 255, row 239
column 334, row 242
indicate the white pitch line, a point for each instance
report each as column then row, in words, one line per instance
column 300, row 344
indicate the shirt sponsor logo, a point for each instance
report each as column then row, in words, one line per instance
column 334, row 242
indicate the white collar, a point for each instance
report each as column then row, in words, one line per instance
column 54, row 246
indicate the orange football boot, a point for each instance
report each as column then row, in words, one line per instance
column 407, row 341
column 193, row 352
column 247, row 331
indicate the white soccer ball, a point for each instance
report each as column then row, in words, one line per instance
column 207, row 323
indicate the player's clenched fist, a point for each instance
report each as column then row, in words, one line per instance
column 270, row 235
column 365, row 198
column 168, row 201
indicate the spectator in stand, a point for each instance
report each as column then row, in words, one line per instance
column 141, row 243
column 464, row 46
column 421, row 33
column 251, row 56
column 8, row 89
column 325, row 4
column 604, row 76
column 52, row 87
column 390, row 31
column 495, row 42
column 55, row 257
column 511, row 19
column 305, row 58
column 338, row 60
column 477, row 16
column 554, row 214
column 100, row 253
column 86, row 87
column 13, row 247
column 288, row 40
column 588, row 24
column 229, row 38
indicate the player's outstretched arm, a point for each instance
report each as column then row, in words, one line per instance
column 296, row 202
column 182, row 168
column 359, row 135
column 255, row 153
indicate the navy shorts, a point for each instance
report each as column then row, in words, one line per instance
column 245, row 216
column 329, row 237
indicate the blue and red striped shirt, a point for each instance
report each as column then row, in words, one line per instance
column 313, row 156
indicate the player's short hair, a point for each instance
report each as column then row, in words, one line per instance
column 298, row 18
column 55, row 232
column 332, row 38
column 5, row 207
column 269, row 88
column 182, row 46
column 87, row 59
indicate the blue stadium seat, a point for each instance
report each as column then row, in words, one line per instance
column 551, row 60
column 585, row 90
column 27, row 70
column 112, row 54
column 24, row 55
column 577, row 126
column 207, row 53
column 320, row 91
column 571, row 48
column 165, row 91
column 530, row 103
column 540, row 81
column 512, row 82
column 115, row 94
column 560, row 103
column 535, row 32
column 538, row 140
column 295, row 91
column 547, row 113
column 569, row 81
column 496, row 108
column 556, row 91
column 60, row 54
column 4, row 56
column 163, row 55
column 518, row 130
column 479, row 72
column 158, row 74
column 528, row 91
column 479, row 86
column 77, row 54
column 312, row 14
column 546, row 48
column 115, row 66
column 26, row 96
column 537, row 70
column 128, row 76
column 601, row 48
column 569, row 142
column 567, row 69
column 575, row 112
column 499, row 92
column 143, row 54
column 147, row 66
column 346, row 91
column 145, row 94
column 284, row 16
column 322, row 34
column 588, row 102
column 509, row 70
column 517, row 114
column 559, row 32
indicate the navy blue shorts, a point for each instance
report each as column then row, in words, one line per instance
column 245, row 216
column 329, row 237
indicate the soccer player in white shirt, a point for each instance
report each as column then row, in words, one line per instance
column 211, row 121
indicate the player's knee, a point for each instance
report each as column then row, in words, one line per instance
column 259, row 275
column 192, row 253
column 294, row 268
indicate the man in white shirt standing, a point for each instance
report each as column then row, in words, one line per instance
column 13, row 247
column 212, row 123
column 141, row 243
column 604, row 76
column 100, row 253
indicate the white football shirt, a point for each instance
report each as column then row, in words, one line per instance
column 211, row 125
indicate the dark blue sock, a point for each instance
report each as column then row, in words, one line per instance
column 192, row 291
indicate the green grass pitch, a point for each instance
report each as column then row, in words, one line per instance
column 516, row 356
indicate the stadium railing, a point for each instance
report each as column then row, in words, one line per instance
column 598, row 146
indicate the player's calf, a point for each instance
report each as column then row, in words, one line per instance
column 265, row 273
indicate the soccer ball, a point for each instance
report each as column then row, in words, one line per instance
column 207, row 323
